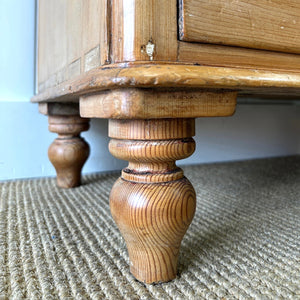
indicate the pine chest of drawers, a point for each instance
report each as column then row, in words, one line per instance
column 151, row 67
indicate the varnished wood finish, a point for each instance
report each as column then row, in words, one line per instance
column 263, row 24
column 153, row 223
column 69, row 151
column 136, row 22
column 244, row 81
column 73, row 37
column 59, row 109
column 152, row 203
column 147, row 129
column 160, row 103
column 242, row 58
column 122, row 60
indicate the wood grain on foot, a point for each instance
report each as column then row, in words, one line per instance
column 69, row 151
column 152, row 203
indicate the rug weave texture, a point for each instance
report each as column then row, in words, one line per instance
column 243, row 243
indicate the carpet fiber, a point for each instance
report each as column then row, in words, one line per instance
column 243, row 243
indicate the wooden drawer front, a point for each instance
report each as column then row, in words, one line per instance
column 261, row 24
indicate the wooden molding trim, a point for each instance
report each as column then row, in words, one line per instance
column 133, row 103
column 174, row 75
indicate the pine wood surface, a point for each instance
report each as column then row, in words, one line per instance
column 152, row 203
column 244, row 58
column 136, row 22
column 122, row 60
column 157, row 103
column 270, row 25
column 147, row 129
column 245, row 81
column 153, row 219
column 59, row 109
column 69, row 151
column 73, row 37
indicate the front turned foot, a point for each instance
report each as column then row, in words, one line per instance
column 152, row 202
column 69, row 151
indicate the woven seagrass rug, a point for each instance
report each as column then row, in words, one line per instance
column 244, row 241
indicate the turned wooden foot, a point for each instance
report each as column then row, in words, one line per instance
column 69, row 151
column 152, row 202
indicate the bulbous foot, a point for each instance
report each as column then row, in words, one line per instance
column 69, row 151
column 153, row 219
column 152, row 203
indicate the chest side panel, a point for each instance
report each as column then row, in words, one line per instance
column 72, row 39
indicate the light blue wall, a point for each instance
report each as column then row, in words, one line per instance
column 17, row 20
column 255, row 130
column 25, row 140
